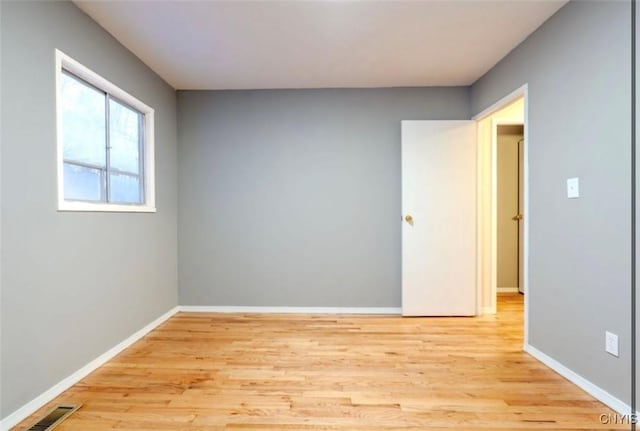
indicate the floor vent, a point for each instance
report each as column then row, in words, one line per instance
column 54, row 418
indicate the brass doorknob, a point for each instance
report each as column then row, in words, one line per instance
column 518, row 217
column 408, row 218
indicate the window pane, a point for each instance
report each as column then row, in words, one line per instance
column 125, row 189
column 83, row 122
column 124, row 137
column 82, row 183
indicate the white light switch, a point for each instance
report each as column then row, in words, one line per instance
column 573, row 188
column 611, row 343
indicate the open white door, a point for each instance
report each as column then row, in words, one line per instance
column 439, row 218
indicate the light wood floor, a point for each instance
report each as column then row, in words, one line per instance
column 311, row 372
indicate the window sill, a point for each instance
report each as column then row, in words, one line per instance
column 102, row 207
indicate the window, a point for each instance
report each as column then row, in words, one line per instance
column 105, row 144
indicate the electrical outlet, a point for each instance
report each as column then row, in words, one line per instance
column 611, row 343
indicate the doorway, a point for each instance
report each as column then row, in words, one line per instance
column 440, row 221
column 510, row 211
column 509, row 111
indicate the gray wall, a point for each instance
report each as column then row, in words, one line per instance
column 292, row 197
column 578, row 67
column 73, row 284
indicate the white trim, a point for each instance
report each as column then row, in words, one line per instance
column 522, row 91
column 32, row 406
column 584, row 384
column 288, row 310
column 525, row 175
column 64, row 62
column 501, row 289
column 506, row 100
column 479, row 231
column 28, row 409
column 493, row 277
column 103, row 207
column 59, row 149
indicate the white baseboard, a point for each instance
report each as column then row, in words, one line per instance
column 507, row 289
column 584, row 384
column 35, row 404
column 296, row 310
column 32, row 406
column 489, row 310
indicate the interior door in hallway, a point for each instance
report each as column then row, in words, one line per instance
column 439, row 218
column 521, row 168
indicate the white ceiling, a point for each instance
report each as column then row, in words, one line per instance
column 320, row 44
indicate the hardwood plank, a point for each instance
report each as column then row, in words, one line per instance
column 318, row 372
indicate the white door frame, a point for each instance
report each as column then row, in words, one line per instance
column 521, row 92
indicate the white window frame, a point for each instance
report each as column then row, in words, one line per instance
column 66, row 63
